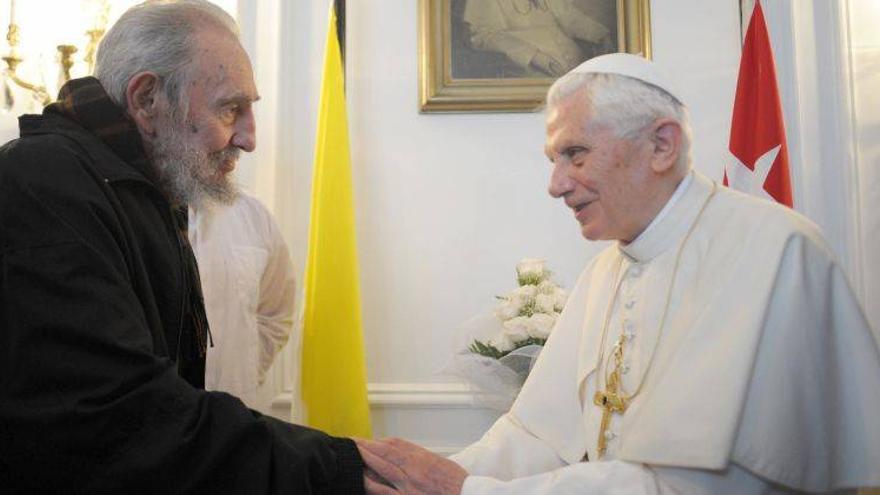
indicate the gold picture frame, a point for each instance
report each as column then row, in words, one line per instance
column 446, row 46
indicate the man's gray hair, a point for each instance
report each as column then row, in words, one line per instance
column 625, row 104
column 160, row 37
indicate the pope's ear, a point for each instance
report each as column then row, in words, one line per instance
column 666, row 141
column 143, row 98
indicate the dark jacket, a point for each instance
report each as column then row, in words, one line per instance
column 92, row 290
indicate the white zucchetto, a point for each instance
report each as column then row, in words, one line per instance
column 629, row 65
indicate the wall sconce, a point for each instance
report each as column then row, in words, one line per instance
column 46, row 37
column 95, row 14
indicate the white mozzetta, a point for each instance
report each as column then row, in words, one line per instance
column 766, row 365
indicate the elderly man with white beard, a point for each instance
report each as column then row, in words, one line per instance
column 715, row 348
column 103, row 332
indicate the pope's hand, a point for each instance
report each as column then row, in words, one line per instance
column 395, row 466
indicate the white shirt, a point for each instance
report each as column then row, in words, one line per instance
column 248, row 285
column 764, row 375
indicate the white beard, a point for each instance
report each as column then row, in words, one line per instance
column 187, row 174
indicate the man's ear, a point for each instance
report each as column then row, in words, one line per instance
column 666, row 141
column 143, row 99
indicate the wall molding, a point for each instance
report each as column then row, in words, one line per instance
column 408, row 395
column 403, row 409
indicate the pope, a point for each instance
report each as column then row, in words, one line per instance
column 715, row 347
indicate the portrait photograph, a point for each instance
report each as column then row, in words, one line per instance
column 502, row 55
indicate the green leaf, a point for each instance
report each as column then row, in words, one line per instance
column 529, row 308
column 530, row 279
column 491, row 351
column 487, row 350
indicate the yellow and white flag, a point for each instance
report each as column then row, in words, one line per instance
column 334, row 388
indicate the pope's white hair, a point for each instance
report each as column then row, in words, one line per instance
column 157, row 36
column 625, row 104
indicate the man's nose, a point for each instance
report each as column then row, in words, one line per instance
column 245, row 136
column 560, row 182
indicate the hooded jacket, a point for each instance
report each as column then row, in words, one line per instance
column 98, row 393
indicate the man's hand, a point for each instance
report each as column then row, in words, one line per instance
column 396, row 466
column 547, row 64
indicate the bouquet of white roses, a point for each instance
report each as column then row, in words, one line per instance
column 503, row 346
column 527, row 313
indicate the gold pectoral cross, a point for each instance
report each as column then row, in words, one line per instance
column 610, row 401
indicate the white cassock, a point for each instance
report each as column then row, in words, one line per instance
column 248, row 286
column 766, row 377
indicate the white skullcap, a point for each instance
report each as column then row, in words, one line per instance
column 629, row 65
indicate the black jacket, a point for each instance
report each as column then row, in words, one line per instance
column 91, row 297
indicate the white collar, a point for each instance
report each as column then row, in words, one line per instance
column 672, row 222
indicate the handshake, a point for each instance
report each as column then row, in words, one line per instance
column 395, row 466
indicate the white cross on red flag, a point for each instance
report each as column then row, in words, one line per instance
column 759, row 164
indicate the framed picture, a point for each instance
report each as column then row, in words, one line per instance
column 502, row 55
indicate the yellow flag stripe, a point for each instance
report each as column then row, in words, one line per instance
column 334, row 390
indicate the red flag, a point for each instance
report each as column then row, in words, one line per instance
column 757, row 133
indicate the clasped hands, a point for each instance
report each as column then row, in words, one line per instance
column 395, row 466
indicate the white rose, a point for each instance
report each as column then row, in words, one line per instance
column 540, row 325
column 517, row 328
column 561, row 297
column 547, row 287
column 530, row 269
column 524, row 293
column 501, row 342
column 545, row 303
column 530, row 266
column 508, row 309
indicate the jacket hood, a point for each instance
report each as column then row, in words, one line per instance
column 109, row 162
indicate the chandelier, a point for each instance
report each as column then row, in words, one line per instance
column 31, row 85
column 51, row 41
